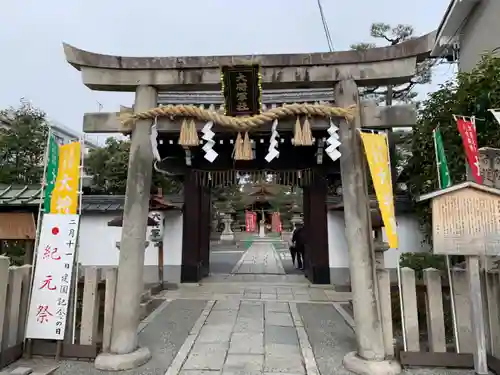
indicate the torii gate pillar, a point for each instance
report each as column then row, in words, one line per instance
column 370, row 356
column 124, row 351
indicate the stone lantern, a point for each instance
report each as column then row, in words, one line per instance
column 383, row 280
column 296, row 214
column 227, row 234
column 118, row 222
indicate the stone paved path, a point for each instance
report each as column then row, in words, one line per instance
column 249, row 337
column 260, row 258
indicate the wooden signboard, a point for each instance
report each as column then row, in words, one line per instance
column 242, row 91
column 466, row 222
column 489, row 164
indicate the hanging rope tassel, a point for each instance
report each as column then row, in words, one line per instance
column 307, row 139
column 297, row 134
column 238, row 148
column 193, row 134
column 247, row 148
column 184, row 134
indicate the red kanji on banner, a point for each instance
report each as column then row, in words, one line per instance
column 250, row 221
column 276, row 221
column 46, row 284
column 43, row 314
column 467, row 130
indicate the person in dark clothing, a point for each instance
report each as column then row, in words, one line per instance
column 293, row 252
column 299, row 245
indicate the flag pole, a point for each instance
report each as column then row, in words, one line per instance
column 447, row 258
column 39, row 216
column 77, row 247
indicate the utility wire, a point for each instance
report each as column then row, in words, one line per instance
column 325, row 27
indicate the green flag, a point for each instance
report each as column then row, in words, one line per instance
column 441, row 163
column 51, row 171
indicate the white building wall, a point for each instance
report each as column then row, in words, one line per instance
column 97, row 245
column 410, row 238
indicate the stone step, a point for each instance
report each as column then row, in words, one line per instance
column 146, row 295
column 144, row 309
column 148, row 302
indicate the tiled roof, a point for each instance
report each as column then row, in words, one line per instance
column 31, row 195
column 28, row 195
column 115, row 203
column 402, row 202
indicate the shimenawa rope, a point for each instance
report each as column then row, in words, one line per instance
column 243, row 150
column 244, row 123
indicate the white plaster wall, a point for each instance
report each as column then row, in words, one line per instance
column 172, row 238
column 409, row 235
column 97, row 242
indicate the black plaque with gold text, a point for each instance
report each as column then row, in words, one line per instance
column 241, row 90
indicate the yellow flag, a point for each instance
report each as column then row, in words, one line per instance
column 65, row 194
column 377, row 154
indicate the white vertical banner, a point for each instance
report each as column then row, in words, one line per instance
column 52, row 277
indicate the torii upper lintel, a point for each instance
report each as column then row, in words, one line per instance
column 390, row 65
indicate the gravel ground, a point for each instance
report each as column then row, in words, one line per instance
column 329, row 335
column 163, row 336
column 223, row 263
column 331, row 339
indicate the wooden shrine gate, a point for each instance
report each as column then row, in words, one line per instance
column 245, row 116
column 196, row 239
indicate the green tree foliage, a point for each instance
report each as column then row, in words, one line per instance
column 471, row 94
column 392, row 36
column 108, row 167
column 420, row 261
column 23, row 137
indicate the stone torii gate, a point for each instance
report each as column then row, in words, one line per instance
column 344, row 71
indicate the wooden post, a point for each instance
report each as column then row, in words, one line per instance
column 90, row 306
column 4, row 282
column 358, row 229
column 191, row 264
column 161, row 263
column 204, row 222
column 317, row 267
column 410, row 308
column 109, row 306
column 13, row 306
column 477, row 317
column 28, row 251
column 435, row 314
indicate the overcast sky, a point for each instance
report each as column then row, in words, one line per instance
column 32, row 63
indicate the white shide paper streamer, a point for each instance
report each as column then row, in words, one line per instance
column 333, row 142
column 273, row 151
column 208, row 137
